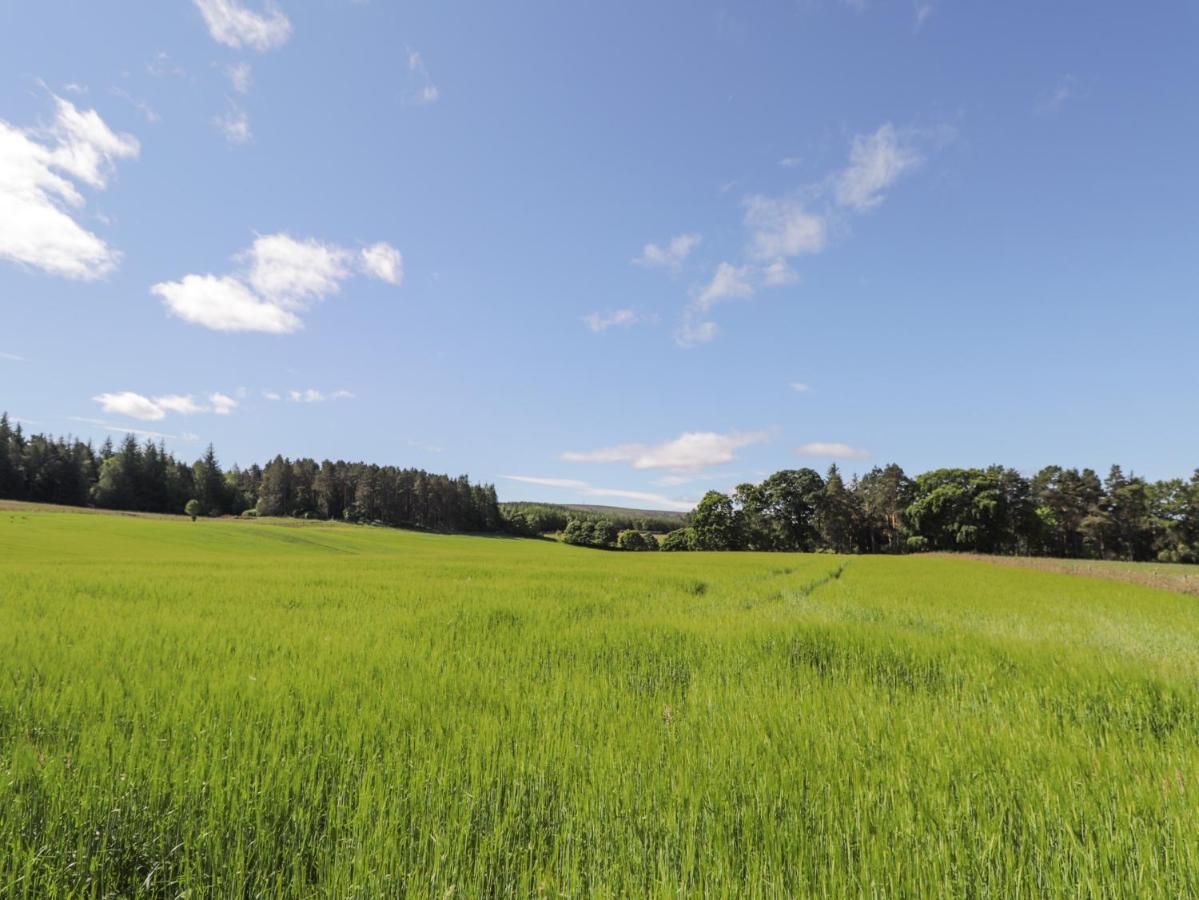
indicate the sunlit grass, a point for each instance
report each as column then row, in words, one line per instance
column 284, row 709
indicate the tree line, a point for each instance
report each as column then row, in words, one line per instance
column 539, row 518
column 148, row 478
column 1057, row 512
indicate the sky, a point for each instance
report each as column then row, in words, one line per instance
column 614, row 253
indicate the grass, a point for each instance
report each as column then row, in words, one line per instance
column 1168, row 576
column 270, row 708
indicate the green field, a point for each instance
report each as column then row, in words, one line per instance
column 272, row 708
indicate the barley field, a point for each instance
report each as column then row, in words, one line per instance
column 285, row 709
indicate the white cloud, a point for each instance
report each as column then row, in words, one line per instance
column 790, row 162
column 222, row 404
column 283, row 276
column 427, row 93
column 235, row 126
column 1063, row 92
column 312, row 395
column 12, row 357
column 782, row 228
column 137, row 406
column 832, row 450
column 224, row 304
column 875, row 162
column 588, row 490
column 241, row 76
column 923, row 11
column 671, row 256
column 127, row 403
column 184, row 404
column 37, row 195
column 692, row 333
column 295, row 272
column 778, row 273
column 272, row 395
column 231, row 24
column 689, row 452
column 728, row 283
column 384, row 262
column 598, row 322
column 800, row 388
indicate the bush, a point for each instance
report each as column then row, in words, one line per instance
column 589, row 534
column 250, row 513
column 630, row 539
column 679, row 539
column 192, row 508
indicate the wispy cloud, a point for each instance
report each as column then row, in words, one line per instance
column 729, row 282
column 1051, row 101
column 140, row 432
column 12, row 357
column 232, row 24
column 234, row 125
column 785, row 227
column 691, row 451
column 832, row 450
column 312, row 395
column 40, row 170
column 672, row 255
column 587, row 490
column 782, row 227
column 144, row 108
column 923, row 9
column 282, row 277
column 426, row 92
column 241, row 76
column 800, row 388
column 162, row 66
column 875, row 162
column 600, row 322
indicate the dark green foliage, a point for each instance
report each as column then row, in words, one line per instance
column 679, row 539
column 717, row 524
column 545, row 518
column 631, row 539
column 1058, row 512
column 584, row 533
column 149, row 479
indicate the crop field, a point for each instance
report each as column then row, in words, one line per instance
column 275, row 708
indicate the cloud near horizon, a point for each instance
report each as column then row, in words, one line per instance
column 588, row 490
column 282, row 276
column 832, row 450
column 691, row 451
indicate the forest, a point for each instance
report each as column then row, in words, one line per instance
column 148, row 478
column 1059, row 512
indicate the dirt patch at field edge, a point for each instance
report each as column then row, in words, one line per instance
column 1179, row 578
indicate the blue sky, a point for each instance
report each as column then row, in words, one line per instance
column 618, row 252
